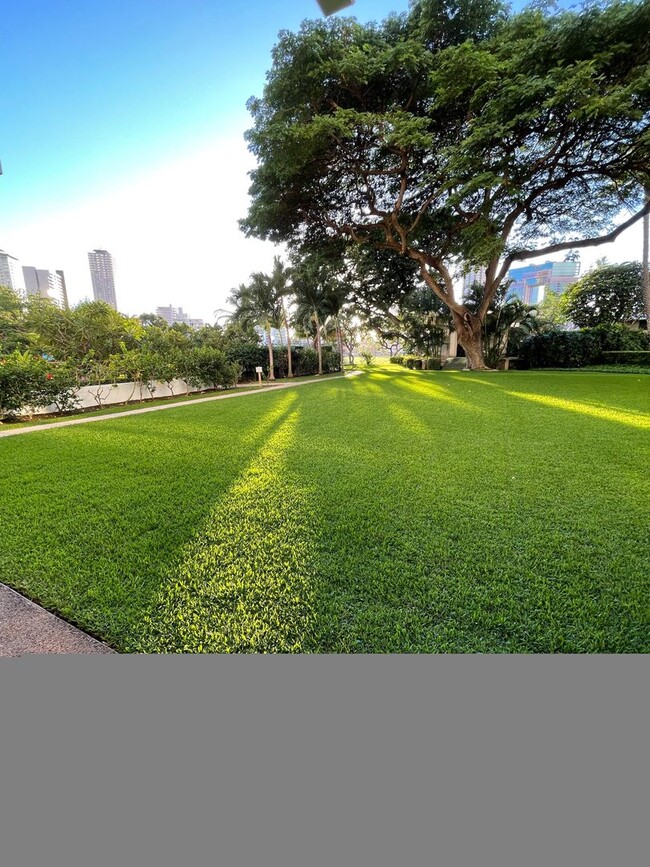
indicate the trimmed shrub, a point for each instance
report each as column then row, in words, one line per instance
column 580, row 348
column 397, row 359
column 249, row 356
column 306, row 361
column 205, row 365
column 331, row 360
column 413, row 362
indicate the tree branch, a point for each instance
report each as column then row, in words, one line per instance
column 587, row 242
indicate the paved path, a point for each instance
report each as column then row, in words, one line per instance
column 110, row 416
column 27, row 628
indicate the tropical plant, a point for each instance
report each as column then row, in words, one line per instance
column 311, row 297
column 258, row 302
column 280, row 280
column 505, row 324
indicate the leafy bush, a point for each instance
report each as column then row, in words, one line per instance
column 306, row 361
column 20, row 378
column 587, row 346
column 249, row 356
column 331, row 360
column 58, row 388
column 413, row 362
column 368, row 357
column 397, row 359
column 639, row 358
column 29, row 380
column 205, row 365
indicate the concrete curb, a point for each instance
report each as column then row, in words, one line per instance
column 27, row 628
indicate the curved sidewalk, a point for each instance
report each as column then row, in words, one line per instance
column 109, row 416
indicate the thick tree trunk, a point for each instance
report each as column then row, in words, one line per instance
column 468, row 330
column 268, row 337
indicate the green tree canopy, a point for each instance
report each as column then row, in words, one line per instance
column 91, row 328
column 12, row 328
column 456, row 135
column 610, row 293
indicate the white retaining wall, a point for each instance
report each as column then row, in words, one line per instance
column 121, row 393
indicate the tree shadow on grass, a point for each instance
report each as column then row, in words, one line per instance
column 94, row 521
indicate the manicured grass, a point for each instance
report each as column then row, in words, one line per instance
column 393, row 511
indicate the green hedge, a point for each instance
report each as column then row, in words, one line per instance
column 586, row 346
column 304, row 360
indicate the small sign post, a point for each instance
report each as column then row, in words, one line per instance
column 258, row 371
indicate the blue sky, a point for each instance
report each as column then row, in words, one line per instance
column 122, row 128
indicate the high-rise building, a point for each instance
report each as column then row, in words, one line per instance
column 47, row 284
column 177, row 314
column 531, row 282
column 172, row 314
column 64, row 291
column 476, row 275
column 101, row 273
column 11, row 274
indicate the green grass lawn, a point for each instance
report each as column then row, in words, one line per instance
column 393, row 511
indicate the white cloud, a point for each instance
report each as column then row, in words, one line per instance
column 173, row 234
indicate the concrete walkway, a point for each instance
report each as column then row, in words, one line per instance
column 110, row 416
column 26, row 628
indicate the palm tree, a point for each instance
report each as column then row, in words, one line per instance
column 336, row 295
column 311, row 309
column 257, row 302
column 321, row 292
column 507, row 317
column 280, row 280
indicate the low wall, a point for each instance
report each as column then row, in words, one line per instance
column 123, row 392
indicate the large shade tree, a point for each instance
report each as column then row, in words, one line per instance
column 90, row 329
column 456, row 135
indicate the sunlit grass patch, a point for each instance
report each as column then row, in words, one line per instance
column 244, row 583
column 634, row 419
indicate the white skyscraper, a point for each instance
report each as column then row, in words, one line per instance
column 47, row 284
column 101, row 273
column 11, row 274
